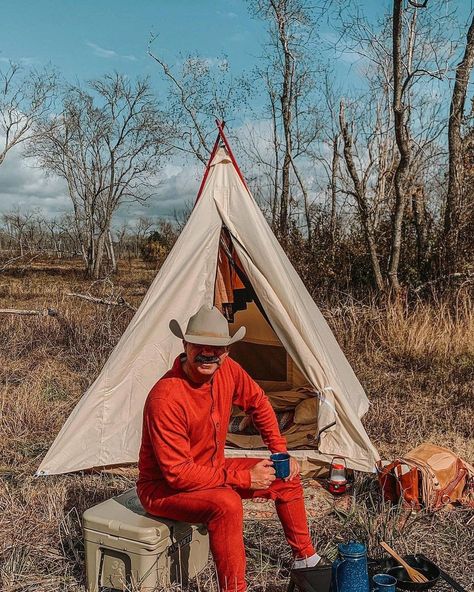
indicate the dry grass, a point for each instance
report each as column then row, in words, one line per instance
column 416, row 363
column 417, row 366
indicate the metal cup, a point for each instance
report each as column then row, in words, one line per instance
column 281, row 464
column 384, row 583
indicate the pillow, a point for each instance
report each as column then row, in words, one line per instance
column 244, row 425
column 306, row 412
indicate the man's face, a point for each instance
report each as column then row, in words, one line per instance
column 202, row 361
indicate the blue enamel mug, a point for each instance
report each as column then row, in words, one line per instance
column 281, row 464
column 383, row 583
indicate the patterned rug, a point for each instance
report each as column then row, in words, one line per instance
column 318, row 502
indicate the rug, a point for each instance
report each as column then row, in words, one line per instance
column 318, row 502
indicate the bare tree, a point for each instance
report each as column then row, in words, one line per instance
column 107, row 143
column 289, row 82
column 18, row 226
column 200, row 91
column 416, row 55
column 457, row 194
column 411, row 45
column 25, row 98
column 140, row 229
column 359, row 192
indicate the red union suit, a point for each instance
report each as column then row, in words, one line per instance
column 183, row 474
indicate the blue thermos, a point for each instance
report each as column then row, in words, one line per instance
column 349, row 571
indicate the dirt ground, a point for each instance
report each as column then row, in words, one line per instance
column 416, row 363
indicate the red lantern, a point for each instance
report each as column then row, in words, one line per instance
column 338, row 475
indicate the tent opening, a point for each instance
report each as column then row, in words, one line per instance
column 264, row 357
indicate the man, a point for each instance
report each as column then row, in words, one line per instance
column 183, row 472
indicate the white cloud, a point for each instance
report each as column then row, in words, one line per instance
column 102, row 52
column 227, row 14
column 25, row 186
column 25, row 61
column 108, row 54
column 177, row 185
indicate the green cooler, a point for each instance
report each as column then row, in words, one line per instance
column 127, row 549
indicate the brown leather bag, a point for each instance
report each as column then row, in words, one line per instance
column 428, row 476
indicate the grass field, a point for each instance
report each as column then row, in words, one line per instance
column 416, row 364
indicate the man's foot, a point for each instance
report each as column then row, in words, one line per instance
column 313, row 579
column 307, row 562
column 313, row 561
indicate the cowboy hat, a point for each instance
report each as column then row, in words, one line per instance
column 207, row 327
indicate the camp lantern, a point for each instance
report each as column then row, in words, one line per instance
column 338, row 475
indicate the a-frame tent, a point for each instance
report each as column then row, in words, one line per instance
column 227, row 255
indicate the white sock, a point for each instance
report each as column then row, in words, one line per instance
column 307, row 561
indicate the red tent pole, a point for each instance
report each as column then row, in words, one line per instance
column 220, row 127
column 206, row 172
column 220, row 136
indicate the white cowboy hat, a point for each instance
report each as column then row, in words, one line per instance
column 207, row 327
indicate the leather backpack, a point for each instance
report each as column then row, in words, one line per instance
column 428, row 477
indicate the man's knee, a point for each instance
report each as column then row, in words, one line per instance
column 288, row 490
column 228, row 503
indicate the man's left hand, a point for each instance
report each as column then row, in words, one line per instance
column 294, row 469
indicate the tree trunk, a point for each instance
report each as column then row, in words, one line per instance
column 307, row 210
column 334, row 173
column 419, row 218
column 90, row 253
column 99, row 254
column 286, row 111
column 362, row 205
column 276, row 174
column 403, row 144
column 285, row 194
column 455, row 196
column 111, row 250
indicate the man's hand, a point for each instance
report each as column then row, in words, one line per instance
column 262, row 474
column 294, row 469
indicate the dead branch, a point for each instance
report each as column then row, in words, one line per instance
column 443, row 278
column 44, row 312
column 418, row 4
column 119, row 302
column 8, row 264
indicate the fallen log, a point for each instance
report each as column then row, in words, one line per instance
column 44, row 312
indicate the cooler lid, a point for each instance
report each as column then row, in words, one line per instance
column 123, row 516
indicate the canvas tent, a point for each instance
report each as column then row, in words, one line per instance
column 226, row 254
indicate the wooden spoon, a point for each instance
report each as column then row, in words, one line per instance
column 413, row 574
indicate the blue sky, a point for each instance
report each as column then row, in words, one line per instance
column 84, row 39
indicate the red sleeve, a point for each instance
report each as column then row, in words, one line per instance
column 253, row 400
column 166, row 423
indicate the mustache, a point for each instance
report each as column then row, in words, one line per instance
column 207, row 359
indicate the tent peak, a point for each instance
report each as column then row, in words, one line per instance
column 220, row 140
column 221, row 157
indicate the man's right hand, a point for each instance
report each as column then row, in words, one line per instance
column 262, row 474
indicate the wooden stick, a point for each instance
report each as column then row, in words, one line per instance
column 119, row 302
column 44, row 312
